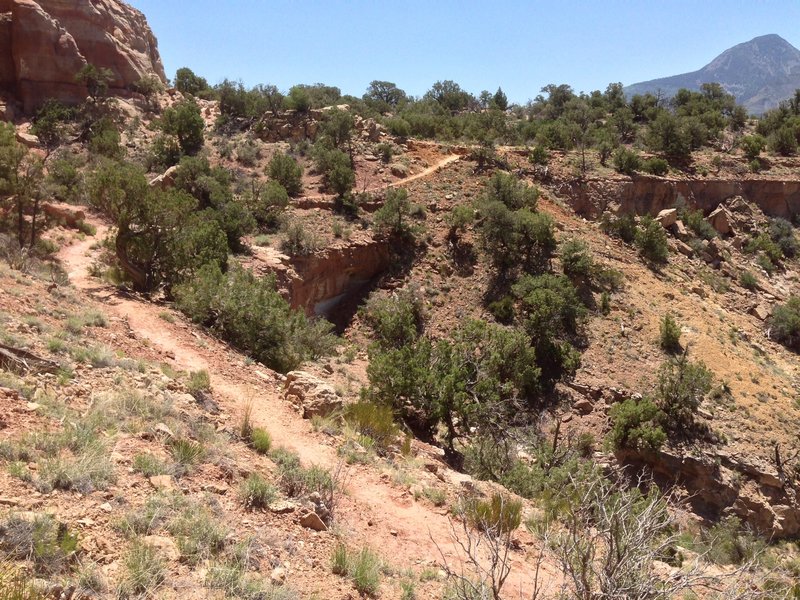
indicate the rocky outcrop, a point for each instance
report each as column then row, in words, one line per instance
column 45, row 43
column 651, row 195
column 325, row 278
column 292, row 125
column 310, row 395
column 726, row 484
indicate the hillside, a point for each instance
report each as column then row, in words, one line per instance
column 269, row 346
column 760, row 74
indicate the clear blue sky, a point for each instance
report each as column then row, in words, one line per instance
column 481, row 44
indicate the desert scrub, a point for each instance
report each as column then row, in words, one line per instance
column 143, row 571
column 186, row 453
column 48, row 544
column 498, row 515
column 149, row 465
column 257, row 492
column 669, row 334
column 198, row 533
column 363, row 568
column 260, row 440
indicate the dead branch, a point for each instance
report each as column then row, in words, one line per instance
column 21, row 361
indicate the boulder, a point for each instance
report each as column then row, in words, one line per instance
column 680, row 231
column 45, row 43
column 760, row 311
column 27, row 139
column 310, row 394
column 311, row 520
column 667, row 217
column 721, row 219
column 163, row 545
column 399, row 170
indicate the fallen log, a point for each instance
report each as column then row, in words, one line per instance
column 21, row 361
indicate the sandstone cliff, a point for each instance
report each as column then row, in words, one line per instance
column 44, row 43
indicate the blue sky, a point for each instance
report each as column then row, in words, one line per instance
column 484, row 44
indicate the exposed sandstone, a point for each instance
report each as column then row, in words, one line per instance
column 45, row 43
column 310, row 395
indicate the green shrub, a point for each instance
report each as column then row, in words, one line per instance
column 498, row 516
column 251, row 314
column 374, row 421
column 185, row 122
column 635, row 425
column 199, row 382
column 365, row 571
column 41, row 539
column 748, row 280
column 669, row 334
column 752, row 146
column 783, row 141
column 651, row 239
column 144, row 571
column 260, row 440
column 248, row 153
column 149, row 465
column 681, row 387
column 627, row 161
column 340, row 560
column 285, row 170
column 785, row 323
column 729, row 543
column 622, row 227
column 197, row 532
column 655, row 166
column 297, row 241
column 782, row 233
column 256, row 492
column 397, row 320
column 576, row 260
column 539, row 155
column 385, row 152
column 695, row 221
column 503, row 309
column 393, row 216
column 185, row 452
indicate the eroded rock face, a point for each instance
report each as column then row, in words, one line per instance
column 651, row 195
column 44, row 43
column 310, row 395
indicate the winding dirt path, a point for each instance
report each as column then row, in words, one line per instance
column 427, row 172
column 375, row 511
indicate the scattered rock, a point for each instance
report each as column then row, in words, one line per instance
column 680, row 231
column 667, row 217
column 27, row 139
column 164, row 545
column 684, row 248
column 106, row 507
column 311, row 520
column 162, row 482
column 399, row 170
column 282, row 507
column 277, row 576
column 583, row 406
column 310, row 394
column 761, row 311
column 720, row 219
column 162, row 429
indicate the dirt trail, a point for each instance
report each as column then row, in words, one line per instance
column 448, row 160
column 374, row 511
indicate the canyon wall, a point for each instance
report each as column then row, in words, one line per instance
column 649, row 195
column 45, row 43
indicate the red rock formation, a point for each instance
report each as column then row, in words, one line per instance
column 650, row 195
column 44, row 43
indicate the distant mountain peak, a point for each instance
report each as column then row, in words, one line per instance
column 760, row 73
